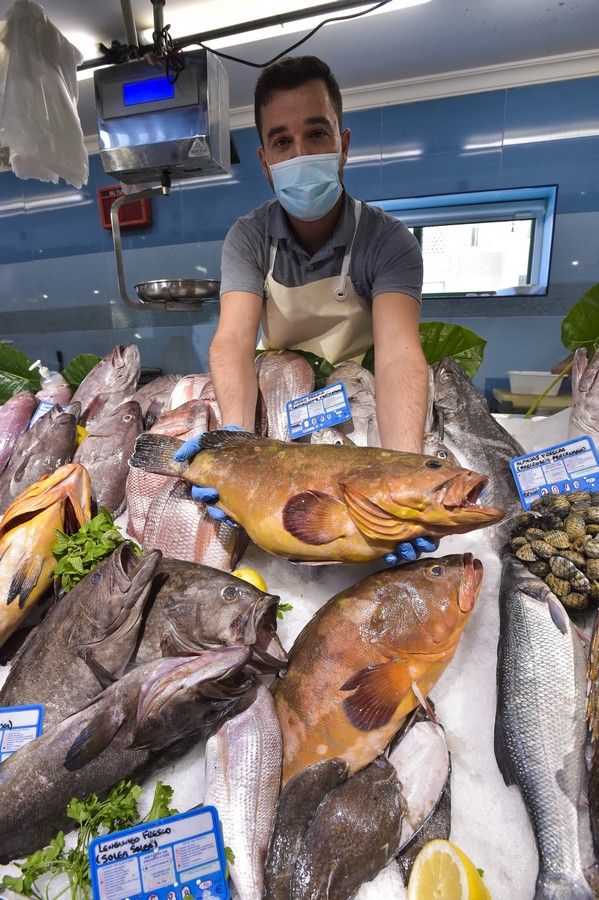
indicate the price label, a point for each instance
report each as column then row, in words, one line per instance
column 561, row 469
column 175, row 858
column 324, row 408
column 18, row 726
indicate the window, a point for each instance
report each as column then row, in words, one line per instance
column 485, row 243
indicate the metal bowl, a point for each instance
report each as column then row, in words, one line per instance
column 193, row 291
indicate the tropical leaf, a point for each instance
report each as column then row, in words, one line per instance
column 440, row 340
column 580, row 328
column 79, row 368
column 14, row 373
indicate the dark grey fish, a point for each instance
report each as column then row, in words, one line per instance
column 193, row 607
column 154, row 397
column 112, row 381
column 120, row 735
column 15, row 416
column 105, row 454
column 540, row 727
column 48, row 444
column 354, row 834
column 87, row 637
column 299, row 800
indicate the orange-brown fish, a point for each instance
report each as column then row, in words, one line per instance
column 368, row 657
column 325, row 503
column 28, row 536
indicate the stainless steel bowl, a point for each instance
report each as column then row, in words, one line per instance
column 180, row 292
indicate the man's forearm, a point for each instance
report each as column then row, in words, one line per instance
column 401, row 404
column 235, row 384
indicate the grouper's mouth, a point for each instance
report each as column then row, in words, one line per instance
column 462, row 493
column 471, row 581
column 268, row 652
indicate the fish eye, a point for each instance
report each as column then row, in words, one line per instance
column 445, row 376
column 229, row 592
column 433, row 464
column 95, row 578
column 442, row 454
column 436, row 570
column 127, row 418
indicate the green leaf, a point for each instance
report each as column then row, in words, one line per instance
column 161, row 808
column 368, row 361
column 440, row 340
column 283, row 608
column 481, row 872
column 229, row 856
column 580, row 328
column 79, row 368
column 16, row 362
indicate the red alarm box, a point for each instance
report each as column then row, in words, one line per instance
column 131, row 215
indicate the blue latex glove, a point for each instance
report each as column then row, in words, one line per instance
column 199, row 492
column 408, row 551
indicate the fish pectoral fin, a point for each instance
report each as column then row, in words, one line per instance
column 316, row 518
column 94, row 738
column 25, row 579
column 378, row 692
column 371, row 520
column 105, row 677
column 502, row 754
column 425, row 703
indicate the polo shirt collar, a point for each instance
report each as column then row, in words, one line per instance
column 279, row 227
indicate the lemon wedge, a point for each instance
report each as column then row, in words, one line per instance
column 442, row 871
column 251, row 576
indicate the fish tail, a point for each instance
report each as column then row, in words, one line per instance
column 562, row 886
column 154, row 453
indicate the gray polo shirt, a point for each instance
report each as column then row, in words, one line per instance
column 385, row 257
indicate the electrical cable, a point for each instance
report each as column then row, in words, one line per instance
column 297, row 44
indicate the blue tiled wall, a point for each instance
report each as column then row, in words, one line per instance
column 58, row 286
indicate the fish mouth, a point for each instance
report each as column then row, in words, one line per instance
column 462, row 493
column 471, row 581
column 268, row 652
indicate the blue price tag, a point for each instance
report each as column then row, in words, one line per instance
column 561, row 469
column 175, row 858
column 324, row 408
column 18, row 726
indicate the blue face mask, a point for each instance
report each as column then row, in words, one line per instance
column 307, row 187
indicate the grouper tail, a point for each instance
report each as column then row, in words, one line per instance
column 154, row 453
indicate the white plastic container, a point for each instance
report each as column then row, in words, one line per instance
column 533, row 383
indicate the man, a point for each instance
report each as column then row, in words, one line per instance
column 316, row 269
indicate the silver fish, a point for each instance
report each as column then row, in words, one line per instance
column 118, row 736
column 88, row 636
column 15, row 416
column 584, row 417
column 282, row 376
column 47, row 445
column 105, row 454
column 432, row 446
column 540, row 727
column 112, row 381
column 332, row 435
column 362, row 428
column 243, row 778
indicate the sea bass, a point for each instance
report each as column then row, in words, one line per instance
column 540, row 727
column 48, row 444
column 86, row 638
column 593, row 717
column 282, row 376
column 371, row 655
column 28, row 535
column 105, row 453
column 325, row 503
column 584, row 417
column 15, row 416
column 243, row 778
column 180, row 527
column 112, row 381
column 117, row 736
column 193, row 607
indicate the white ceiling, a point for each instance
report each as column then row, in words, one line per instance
column 437, row 37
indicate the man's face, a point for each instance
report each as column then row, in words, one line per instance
column 299, row 122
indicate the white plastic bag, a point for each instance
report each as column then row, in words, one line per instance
column 39, row 121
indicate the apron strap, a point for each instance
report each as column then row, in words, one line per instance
column 341, row 289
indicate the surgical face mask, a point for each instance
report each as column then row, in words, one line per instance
column 307, row 187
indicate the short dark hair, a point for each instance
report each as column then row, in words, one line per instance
column 291, row 72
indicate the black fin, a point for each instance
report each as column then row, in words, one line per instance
column 94, row 738
column 233, row 440
column 105, row 677
column 502, row 754
column 23, row 582
column 154, row 453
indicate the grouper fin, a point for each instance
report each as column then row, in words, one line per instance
column 502, row 755
column 105, row 677
column 372, row 521
column 315, row 518
column 94, row 738
column 154, row 452
column 233, row 440
column 379, row 691
column 24, row 580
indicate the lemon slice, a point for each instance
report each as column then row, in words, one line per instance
column 442, row 871
column 252, row 577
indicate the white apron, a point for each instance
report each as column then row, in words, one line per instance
column 326, row 317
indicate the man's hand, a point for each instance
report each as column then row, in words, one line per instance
column 203, row 494
column 408, row 551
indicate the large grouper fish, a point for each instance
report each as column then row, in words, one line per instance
column 122, row 734
column 368, row 657
column 325, row 503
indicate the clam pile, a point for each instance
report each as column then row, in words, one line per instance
column 558, row 540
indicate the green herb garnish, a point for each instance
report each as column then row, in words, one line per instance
column 283, row 608
column 94, row 817
column 79, row 553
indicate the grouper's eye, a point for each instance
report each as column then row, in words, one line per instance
column 96, row 578
column 433, row 464
column 229, row 592
column 436, row 570
column 445, row 376
column 442, row 454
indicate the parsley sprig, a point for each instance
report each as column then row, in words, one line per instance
column 77, row 554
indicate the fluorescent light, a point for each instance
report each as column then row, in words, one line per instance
column 359, row 159
column 86, row 74
column 540, row 138
column 43, row 201
column 223, row 15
